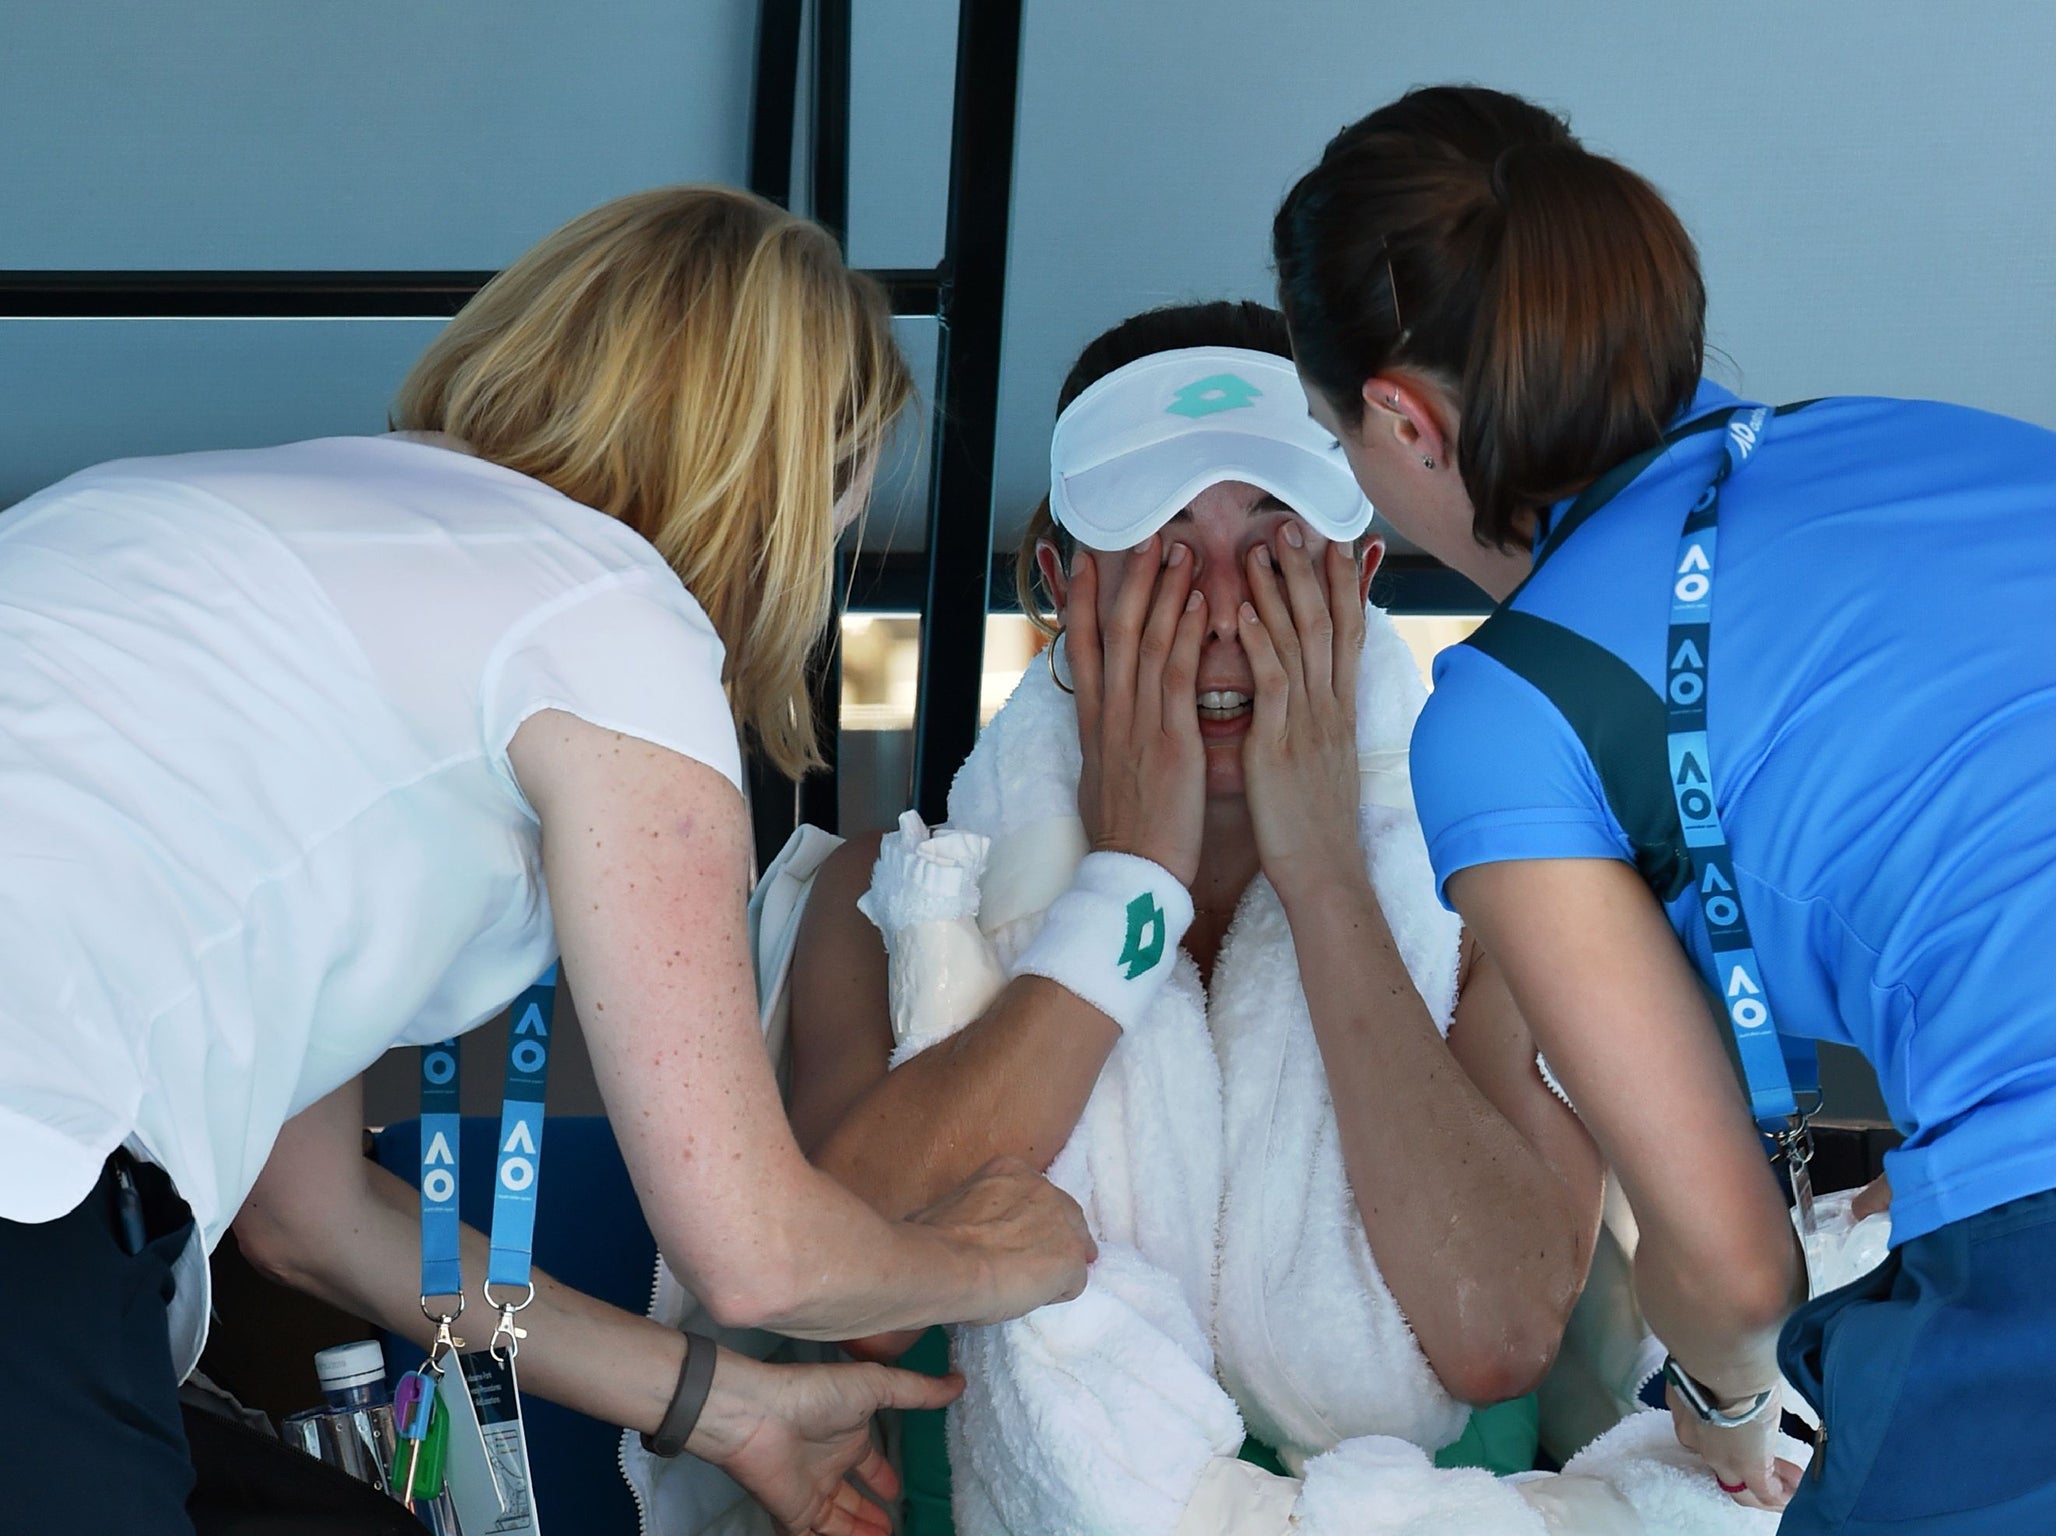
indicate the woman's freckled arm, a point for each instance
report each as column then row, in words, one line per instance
column 1012, row 1083
column 761, row 1237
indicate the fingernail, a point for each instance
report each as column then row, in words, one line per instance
column 1248, row 614
column 1194, row 599
column 1263, row 556
column 1294, row 537
column 1143, row 547
column 1177, row 555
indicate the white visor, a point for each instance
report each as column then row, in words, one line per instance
column 1133, row 450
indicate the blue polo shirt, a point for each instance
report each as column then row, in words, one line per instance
column 1882, row 722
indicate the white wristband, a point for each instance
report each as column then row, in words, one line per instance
column 1112, row 937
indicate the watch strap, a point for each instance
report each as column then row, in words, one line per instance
column 695, row 1381
column 1702, row 1403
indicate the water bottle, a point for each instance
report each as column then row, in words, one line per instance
column 354, row 1429
column 354, row 1376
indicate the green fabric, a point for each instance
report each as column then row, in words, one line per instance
column 1257, row 1454
column 1503, row 1439
column 924, row 1458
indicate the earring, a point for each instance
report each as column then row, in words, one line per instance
column 1393, row 401
column 1049, row 654
column 1426, row 462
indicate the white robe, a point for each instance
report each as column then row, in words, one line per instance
column 1235, row 1291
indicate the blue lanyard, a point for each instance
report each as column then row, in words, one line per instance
column 442, row 1268
column 518, row 1171
column 1738, row 979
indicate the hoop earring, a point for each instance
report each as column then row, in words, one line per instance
column 1049, row 654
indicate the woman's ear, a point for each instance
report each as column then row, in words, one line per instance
column 1403, row 405
column 1367, row 567
column 1055, row 579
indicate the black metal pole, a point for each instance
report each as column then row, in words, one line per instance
column 194, row 295
column 774, row 804
column 820, row 799
column 831, row 157
column 820, row 792
column 774, row 808
column 981, row 179
column 775, row 97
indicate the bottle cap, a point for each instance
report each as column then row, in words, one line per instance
column 350, row 1365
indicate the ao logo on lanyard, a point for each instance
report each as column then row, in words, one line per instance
column 489, row 1376
column 1737, row 976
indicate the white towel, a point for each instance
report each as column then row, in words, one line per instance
column 1209, row 1165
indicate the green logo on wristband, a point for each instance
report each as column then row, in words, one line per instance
column 1145, row 945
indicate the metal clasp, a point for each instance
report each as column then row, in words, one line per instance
column 1795, row 1143
column 446, row 1342
column 506, row 1341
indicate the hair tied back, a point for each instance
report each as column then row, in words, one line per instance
column 1502, row 170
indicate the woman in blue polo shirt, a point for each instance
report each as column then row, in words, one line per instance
column 1768, row 707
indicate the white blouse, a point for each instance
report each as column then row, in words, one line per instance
column 257, row 823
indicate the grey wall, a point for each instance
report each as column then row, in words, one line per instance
column 258, row 133
column 903, row 60
column 378, row 133
column 75, row 392
column 254, row 133
column 1868, row 179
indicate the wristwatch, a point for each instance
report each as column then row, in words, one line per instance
column 1701, row 1401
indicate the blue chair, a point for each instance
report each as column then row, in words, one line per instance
column 590, row 1234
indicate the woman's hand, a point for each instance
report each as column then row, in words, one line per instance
column 1030, row 1235
column 1142, row 789
column 1744, row 1459
column 1874, row 1199
column 798, row 1438
column 1304, row 638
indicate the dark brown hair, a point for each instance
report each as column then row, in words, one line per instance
column 1224, row 323
column 1465, row 233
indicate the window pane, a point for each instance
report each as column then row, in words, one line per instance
column 77, row 392
column 881, row 658
column 1427, row 634
column 903, row 61
column 383, row 133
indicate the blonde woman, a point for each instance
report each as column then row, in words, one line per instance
column 312, row 751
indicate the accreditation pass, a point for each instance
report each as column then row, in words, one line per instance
column 488, row 1466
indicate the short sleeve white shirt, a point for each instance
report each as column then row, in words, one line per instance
column 257, row 823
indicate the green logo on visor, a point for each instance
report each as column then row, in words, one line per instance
column 1145, row 917
column 1209, row 396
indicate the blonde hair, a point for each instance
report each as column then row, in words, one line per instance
column 703, row 366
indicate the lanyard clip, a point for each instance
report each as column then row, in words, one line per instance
column 1795, row 1143
column 446, row 1342
column 506, row 1341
